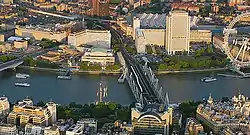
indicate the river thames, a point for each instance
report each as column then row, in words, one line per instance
column 82, row 88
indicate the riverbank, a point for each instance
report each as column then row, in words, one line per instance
column 119, row 72
column 190, row 71
column 74, row 72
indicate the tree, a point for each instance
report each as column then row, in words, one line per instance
column 41, row 104
column 112, row 106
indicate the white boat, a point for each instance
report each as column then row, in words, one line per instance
column 208, row 79
column 22, row 84
column 68, row 77
column 22, row 76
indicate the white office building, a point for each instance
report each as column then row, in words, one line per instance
column 52, row 108
column 96, row 38
column 177, row 32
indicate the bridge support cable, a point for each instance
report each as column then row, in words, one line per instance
column 135, row 90
column 154, row 82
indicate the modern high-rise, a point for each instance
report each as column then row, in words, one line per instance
column 4, row 106
column 52, row 108
column 177, row 32
column 100, row 7
column 95, row 6
column 151, row 120
column 136, row 25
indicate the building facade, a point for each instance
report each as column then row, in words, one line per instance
column 89, row 125
column 52, row 108
column 149, row 29
column 8, row 129
column 5, row 106
column 33, row 130
column 24, row 112
column 53, row 130
column 218, row 115
column 177, row 32
column 6, row 1
column 75, row 130
column 150, row 120
column 193, row 127
column 99, row 55
column 22, row 44
column 96, row 38
column 40, row 34
column 201, row 36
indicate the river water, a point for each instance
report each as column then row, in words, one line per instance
column 82, row 88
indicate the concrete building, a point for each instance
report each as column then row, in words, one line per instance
column 149, row 29
column 125, row 27
column 193, row 127
column 177, row 32
column 22, row 44
column 244, row 130
column 6, row 1
column 217, row 115
column 149, row 37
column 52, row 108
column 97, row 38
column 100, row 7
column 201, row 36
column 99, row 55
column 8, row 129
column 5, row 106
column 53, row 130
column 232, row 3
column 40, row 33
column 152, row 119
column 136, row 25
column 89, row 125
column 75, row 130
column 24, row 112
column 6, row 33
column 33, row 130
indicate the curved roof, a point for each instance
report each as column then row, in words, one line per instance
column 150, row 114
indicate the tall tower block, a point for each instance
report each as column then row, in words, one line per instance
column 177, row 32
column 136, row 25
column 52, row 109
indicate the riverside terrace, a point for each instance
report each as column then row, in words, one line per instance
column 218, row 115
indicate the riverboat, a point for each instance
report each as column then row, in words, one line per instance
column 208, row 79
column 22, row 84
column 64, row 77
column 22, row 76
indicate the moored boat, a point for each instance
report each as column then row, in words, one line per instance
column 65, row 77
column 22, row 84
column 22, row 76
column 208, row 79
